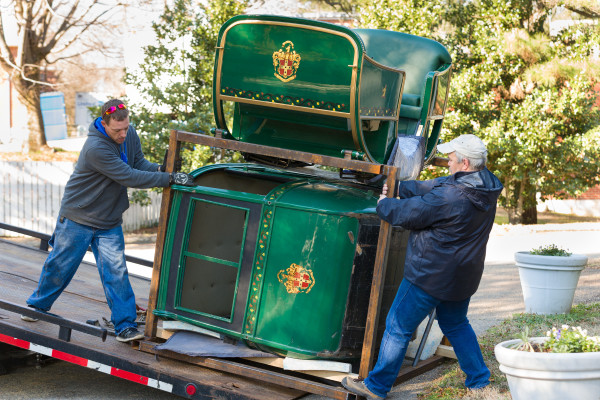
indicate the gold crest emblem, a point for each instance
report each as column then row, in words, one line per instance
column 296, row 279
column 286, row 62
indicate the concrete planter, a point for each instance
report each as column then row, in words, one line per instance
column 549, row 282
column 549, row 376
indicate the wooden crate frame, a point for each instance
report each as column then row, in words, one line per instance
column 367, row 356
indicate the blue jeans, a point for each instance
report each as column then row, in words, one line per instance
column 69, row 242
column 409, row 309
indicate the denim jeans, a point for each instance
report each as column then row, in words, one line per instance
column 409, row 309
column 69, row 242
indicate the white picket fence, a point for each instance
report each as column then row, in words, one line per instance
column 31, row 192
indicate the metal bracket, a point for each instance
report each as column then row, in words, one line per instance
column 424, row 338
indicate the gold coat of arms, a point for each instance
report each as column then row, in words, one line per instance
column 286, row 62
column 296, row 279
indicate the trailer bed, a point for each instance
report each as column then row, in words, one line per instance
column 84, row 299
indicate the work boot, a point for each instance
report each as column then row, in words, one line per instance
column 129, row 334
column 357, row 386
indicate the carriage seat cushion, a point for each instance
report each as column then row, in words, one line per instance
column 411, row 100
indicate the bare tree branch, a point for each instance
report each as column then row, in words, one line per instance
column 85, row 51
column 48, row 31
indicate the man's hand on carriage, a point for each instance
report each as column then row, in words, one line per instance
column 384, row 191
column 181, row 178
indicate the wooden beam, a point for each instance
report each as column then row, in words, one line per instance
column 446, row 351
column 310, row 158
column 385, row 231
column 167, row 198
column 296, row 364
column 277, row 362
column 439, row 162
column 260, row 374
column 409, row 372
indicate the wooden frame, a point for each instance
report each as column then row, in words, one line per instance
column 391, row 173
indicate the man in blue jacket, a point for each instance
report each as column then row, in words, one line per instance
column 91, row 214
column 450, row 219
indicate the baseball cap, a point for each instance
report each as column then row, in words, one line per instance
column 468, row 145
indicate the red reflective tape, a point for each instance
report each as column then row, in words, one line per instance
column 130, row 376
column 15, row 342
column 69, row 358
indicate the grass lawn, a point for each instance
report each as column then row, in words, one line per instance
column 450, row 385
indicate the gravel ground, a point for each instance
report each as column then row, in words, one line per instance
column 499, row 297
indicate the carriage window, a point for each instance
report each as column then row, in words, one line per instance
column 379, row 91
column 211, row 262
column 439, row 105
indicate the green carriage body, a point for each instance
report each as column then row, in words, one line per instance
column 283, row 259
column 325, row 89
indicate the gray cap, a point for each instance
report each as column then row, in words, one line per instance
column 469, row 146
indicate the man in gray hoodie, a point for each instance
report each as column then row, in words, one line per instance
column 91, row 214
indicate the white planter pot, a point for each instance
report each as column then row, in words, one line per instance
column 549, row 282
column 549, row 376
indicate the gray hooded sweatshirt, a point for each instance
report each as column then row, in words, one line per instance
column 96, row 193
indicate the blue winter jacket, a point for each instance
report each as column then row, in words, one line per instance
column 450, row 219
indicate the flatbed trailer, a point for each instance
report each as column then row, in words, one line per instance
column 72, row 340
column 20, row 267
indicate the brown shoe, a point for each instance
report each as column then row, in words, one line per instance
column 357, row 386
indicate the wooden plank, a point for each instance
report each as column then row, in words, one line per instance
column 269, row 151
column 277, row 362
column 262, row 375
column 326, row 371
column 446, row 351
column 151, row 320
column 295, row 364
column 439, row 162
column 184, row 326
column 410, row 372
column 385, row 230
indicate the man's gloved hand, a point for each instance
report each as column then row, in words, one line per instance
column 163, row 167
column 181, row 178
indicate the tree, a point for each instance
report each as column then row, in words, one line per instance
column 175, row 78
column 527, row 94
column 417, row 17
column 50, row 31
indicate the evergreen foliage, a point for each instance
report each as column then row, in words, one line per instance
column 175, row 79
column 530, row 96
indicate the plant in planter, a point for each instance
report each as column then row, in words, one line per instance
column 563, row 365
column 549, row 277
